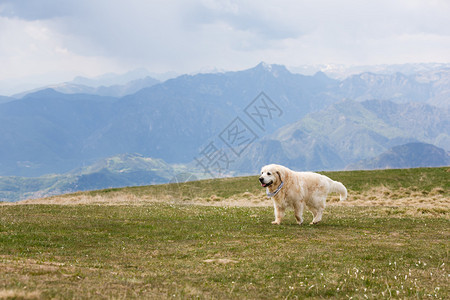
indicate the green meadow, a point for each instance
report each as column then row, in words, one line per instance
column 168, row 246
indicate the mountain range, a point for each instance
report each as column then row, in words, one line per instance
column 115, row 90
column 349, row 131
column 410, row 155
column 306, row 122
column 50, row 132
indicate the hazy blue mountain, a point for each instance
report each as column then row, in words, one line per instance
column 111, row 84
column 4, row 99
column 111, row 79
column 341, row 72
column 410, row 155
column 122, row 170
column 429, row 86
column 349, row 131
column 395, row 87
column 126, row 89
column 172, row 120
column 14, row 188
column 110, row 91
column 50, row 132
column 45, row 131
column 117, row 171
column 439, row 80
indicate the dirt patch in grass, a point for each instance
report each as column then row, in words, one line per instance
column 221, row 261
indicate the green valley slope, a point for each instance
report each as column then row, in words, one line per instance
column 117, row 171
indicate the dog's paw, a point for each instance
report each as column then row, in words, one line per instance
column 276, row 222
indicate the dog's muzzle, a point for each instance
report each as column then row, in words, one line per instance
column 263, row 184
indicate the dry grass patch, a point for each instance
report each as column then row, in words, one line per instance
column 115, row 198
column 18, row 294
column 385, row 196
column 413, row 200
column 126, row 198
column 436, row 199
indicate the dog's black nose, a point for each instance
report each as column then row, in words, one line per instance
column 261, row 179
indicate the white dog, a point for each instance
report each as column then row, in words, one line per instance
column 297, row 189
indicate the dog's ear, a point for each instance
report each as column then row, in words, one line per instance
column 279, row 176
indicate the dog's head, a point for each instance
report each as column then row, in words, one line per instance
column 270, row 174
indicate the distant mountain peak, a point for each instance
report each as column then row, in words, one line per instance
column 271, row 68
column 47, row 92
column 265, row 66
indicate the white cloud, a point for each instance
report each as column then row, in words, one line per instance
column 93, row 37
column 34, row 47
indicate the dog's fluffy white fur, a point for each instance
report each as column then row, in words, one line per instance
column 299, row 189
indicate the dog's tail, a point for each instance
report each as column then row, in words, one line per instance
column 337, row 187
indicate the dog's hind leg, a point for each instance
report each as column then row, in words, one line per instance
column 317, row 216
column 316, row 205
column 317, row 213
column 298, row 209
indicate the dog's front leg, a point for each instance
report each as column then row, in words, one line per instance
column 279, row 213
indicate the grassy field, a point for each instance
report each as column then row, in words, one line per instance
column 180, row 242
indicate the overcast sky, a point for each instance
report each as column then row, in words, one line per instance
column 55, row 40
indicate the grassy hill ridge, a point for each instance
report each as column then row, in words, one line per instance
column 416, row 187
